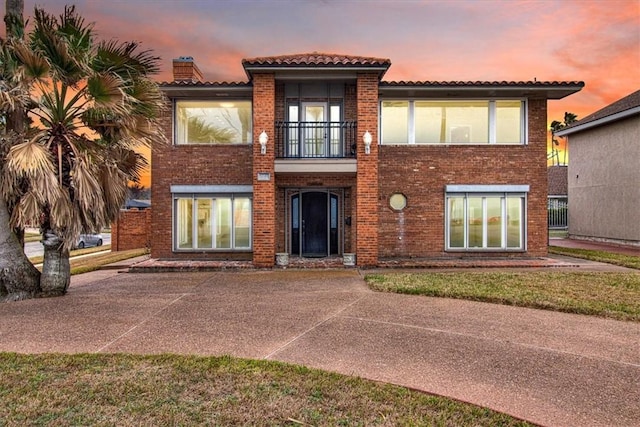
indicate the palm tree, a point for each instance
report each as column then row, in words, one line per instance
column 19, row 279
column 93, row 103
column 557, row 126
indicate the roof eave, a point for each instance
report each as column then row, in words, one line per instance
column 547, row 92
column 599, row 122
column 250, row 69
column 182, row 90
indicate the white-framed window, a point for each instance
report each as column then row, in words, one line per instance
column 453, row 122
column 212, row 122
column 212, row 222
column 485, row 217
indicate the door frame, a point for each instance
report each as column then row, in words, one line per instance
column 288, row 226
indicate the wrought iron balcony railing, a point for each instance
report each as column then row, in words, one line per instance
column 315, row 140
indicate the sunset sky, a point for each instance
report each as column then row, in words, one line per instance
column 597, row 42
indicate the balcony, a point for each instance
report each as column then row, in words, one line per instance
column 315, row 140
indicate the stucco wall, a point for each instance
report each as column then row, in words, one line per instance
column 604, row 182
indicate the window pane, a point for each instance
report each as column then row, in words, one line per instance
column 242, row 222
column 494, row 222
column 508, row 122
column 452, row 121
column 456, row 222
column 213, row 122
column 430, row 123
column 395, row 122
column 514, row 222
column 292, row 141
column 475, row 221
column 184, row 223
column 204, row 223
column 223, row 223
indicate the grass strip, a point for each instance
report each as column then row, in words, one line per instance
column 612, row 295
column 117, row 389
column 628, row 261
column 95, row 262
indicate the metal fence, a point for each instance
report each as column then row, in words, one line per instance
column 558, row 212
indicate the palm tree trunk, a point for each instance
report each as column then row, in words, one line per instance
column 19, row 279
column 56, row 269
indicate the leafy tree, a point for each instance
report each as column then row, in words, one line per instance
column 557, row 126
column 92, row 103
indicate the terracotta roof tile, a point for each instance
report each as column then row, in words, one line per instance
column 189, row 83
column 316, row 59
column 479, row 83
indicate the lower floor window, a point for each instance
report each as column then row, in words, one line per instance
column 490, row 221
column 212, row 222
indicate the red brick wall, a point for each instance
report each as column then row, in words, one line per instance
column 367, row 175
column 191, row 165
column 421, row 173
column 131, row 230
column 264, row 199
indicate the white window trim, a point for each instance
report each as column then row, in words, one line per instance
column 502, row 191
column 196, row 195
column 411, row 126
column 174, row 122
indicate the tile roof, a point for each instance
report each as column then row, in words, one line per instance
column 557, row 180
column 189, row 83
column 317, row 59
column 503, row 83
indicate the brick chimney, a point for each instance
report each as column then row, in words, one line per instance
column 184, row 69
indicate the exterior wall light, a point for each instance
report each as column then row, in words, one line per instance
column 263, row 138
column 367, row 142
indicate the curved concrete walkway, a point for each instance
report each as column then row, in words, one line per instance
column 550, row 368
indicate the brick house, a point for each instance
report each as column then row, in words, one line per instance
column 317, row 156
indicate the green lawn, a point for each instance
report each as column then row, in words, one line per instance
column 103, row 389
column 614, row 295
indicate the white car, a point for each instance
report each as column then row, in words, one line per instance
column 86, row 240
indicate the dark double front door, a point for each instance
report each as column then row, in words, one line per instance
column 314, row 223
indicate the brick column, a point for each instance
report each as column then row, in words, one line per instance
column 367, row 175
column 537, row 221
column 264, row 192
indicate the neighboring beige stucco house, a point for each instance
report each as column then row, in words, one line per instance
column 604, row 173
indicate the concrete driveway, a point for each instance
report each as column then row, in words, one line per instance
column 550, row 368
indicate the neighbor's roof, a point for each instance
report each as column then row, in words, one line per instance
column 622, row 108
column 445, row 89
column 557, row 180
column 329, row 61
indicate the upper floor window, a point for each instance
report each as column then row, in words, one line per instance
column 453, row 122
column 213, row 122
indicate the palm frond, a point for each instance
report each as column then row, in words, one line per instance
column 87, row 193
column 52, row 45
column 27, row 211
column 33, row 65
column 105, row 89
column 114, row 184
column 125, row 60
column 29, row 159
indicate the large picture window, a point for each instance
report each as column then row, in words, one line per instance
column 204, row 222
column 453, row 122
column 213, row 122
column 485, row 221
